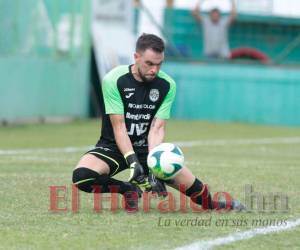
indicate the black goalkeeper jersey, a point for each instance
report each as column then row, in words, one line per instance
column 139, row 102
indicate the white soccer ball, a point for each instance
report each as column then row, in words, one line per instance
column 165, row 161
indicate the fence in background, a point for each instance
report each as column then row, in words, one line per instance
column 44, row 66
column 237, row 90
column 277, row 37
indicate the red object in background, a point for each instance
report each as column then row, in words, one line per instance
column 245, row 52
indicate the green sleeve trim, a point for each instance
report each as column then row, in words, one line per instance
column 111, row 95
column 164, row 111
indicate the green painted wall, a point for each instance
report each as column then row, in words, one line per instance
column 234, row 92
column 41, row 87
column 37, row 78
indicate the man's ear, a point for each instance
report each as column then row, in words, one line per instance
column 136, row 56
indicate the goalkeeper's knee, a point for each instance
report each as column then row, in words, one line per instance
column 85, row 179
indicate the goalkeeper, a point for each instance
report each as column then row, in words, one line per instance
column 138, row 100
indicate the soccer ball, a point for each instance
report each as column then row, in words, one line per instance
column 165, row 161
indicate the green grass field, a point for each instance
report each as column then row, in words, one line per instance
column 226, row 156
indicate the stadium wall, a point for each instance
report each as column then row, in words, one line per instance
column 236, row 92
column 44, row 59
column 43, row 88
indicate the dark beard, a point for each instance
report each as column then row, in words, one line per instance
column 143, row 77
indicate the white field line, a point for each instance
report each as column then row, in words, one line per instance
column 184, row 144
column 45, row 150
column 258, row 141
column 231, row 238
column 40, row 158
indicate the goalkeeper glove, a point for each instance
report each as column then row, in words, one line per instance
column 137, row 175
column 156, row 186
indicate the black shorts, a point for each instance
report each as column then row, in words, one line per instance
column 115, row 160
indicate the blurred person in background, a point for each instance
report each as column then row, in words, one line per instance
column 215, row 31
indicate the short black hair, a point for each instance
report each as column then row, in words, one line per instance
column 215, row 10
column 149, row 41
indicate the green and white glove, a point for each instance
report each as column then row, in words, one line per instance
column 156, row 186
column 137, row 174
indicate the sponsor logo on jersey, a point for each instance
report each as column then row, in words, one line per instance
column 129, row 89
column 129, row 95
column 138, row 128
column 140, row 106
column 138, row 117
column 154, row 95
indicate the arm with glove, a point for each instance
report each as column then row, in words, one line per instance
column 155, row 137
column 137, row 175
